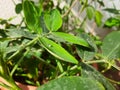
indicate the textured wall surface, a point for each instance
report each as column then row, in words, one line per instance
column 7, row 10
column 90, row 25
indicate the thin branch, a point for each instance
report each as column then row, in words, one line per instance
column 17, row 64
column 65, row 14
column 23, row 46
column 65, row 72
column 96, row 61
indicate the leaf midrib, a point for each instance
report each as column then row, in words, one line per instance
column 113, row 50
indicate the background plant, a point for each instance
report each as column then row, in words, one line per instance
column 45, row 49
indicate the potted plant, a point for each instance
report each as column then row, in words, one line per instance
column 43, row 51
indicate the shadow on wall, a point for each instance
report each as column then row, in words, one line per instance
column 90, row 25
column 8, row 10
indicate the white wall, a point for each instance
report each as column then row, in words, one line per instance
column 7, row 10
column 90, row 25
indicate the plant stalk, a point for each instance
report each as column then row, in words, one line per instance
column 10, row 84
column 64, row 73
column 23, row 46
column 19, row 61
column 96, row 61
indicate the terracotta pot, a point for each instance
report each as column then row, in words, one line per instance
column 22, row 86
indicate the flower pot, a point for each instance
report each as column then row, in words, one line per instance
column 22, row 86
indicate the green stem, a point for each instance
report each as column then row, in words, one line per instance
column 23, row 46
column 19, row 61
column 11, row 85
column 113, row 81
column 64, row 73
column 96, row 61
column 43, row 61
column 4, row 85
column 59, row 65
column 103, row 61
column 111, row 64
column 83, row 22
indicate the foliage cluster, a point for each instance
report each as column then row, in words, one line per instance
column 45, row 50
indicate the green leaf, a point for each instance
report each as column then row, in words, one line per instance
column 5, row 39
column 57, row 51
column 72, row 83
column 90, row 72
column 18, row 8
column 3, row 66
column 98, row 18
column 112, row 22
column 31, row 16
column 90, row 12
column 53, row 20
column 3, row 46
column 111, row 45
column 87, row 53
column 4, row 71
column 13, row 33
column 12, row 49
column 60, row 36
column 42, row 23
column 112, row 10
column 101, row 2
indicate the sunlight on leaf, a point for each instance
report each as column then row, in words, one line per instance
column 90, row 72
column 111, row 45
column 70, row 38
column 31, row 16
column 90, row 12
column 53, row 20
column 98, row 18
column 72, row 83
column 57, row 51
